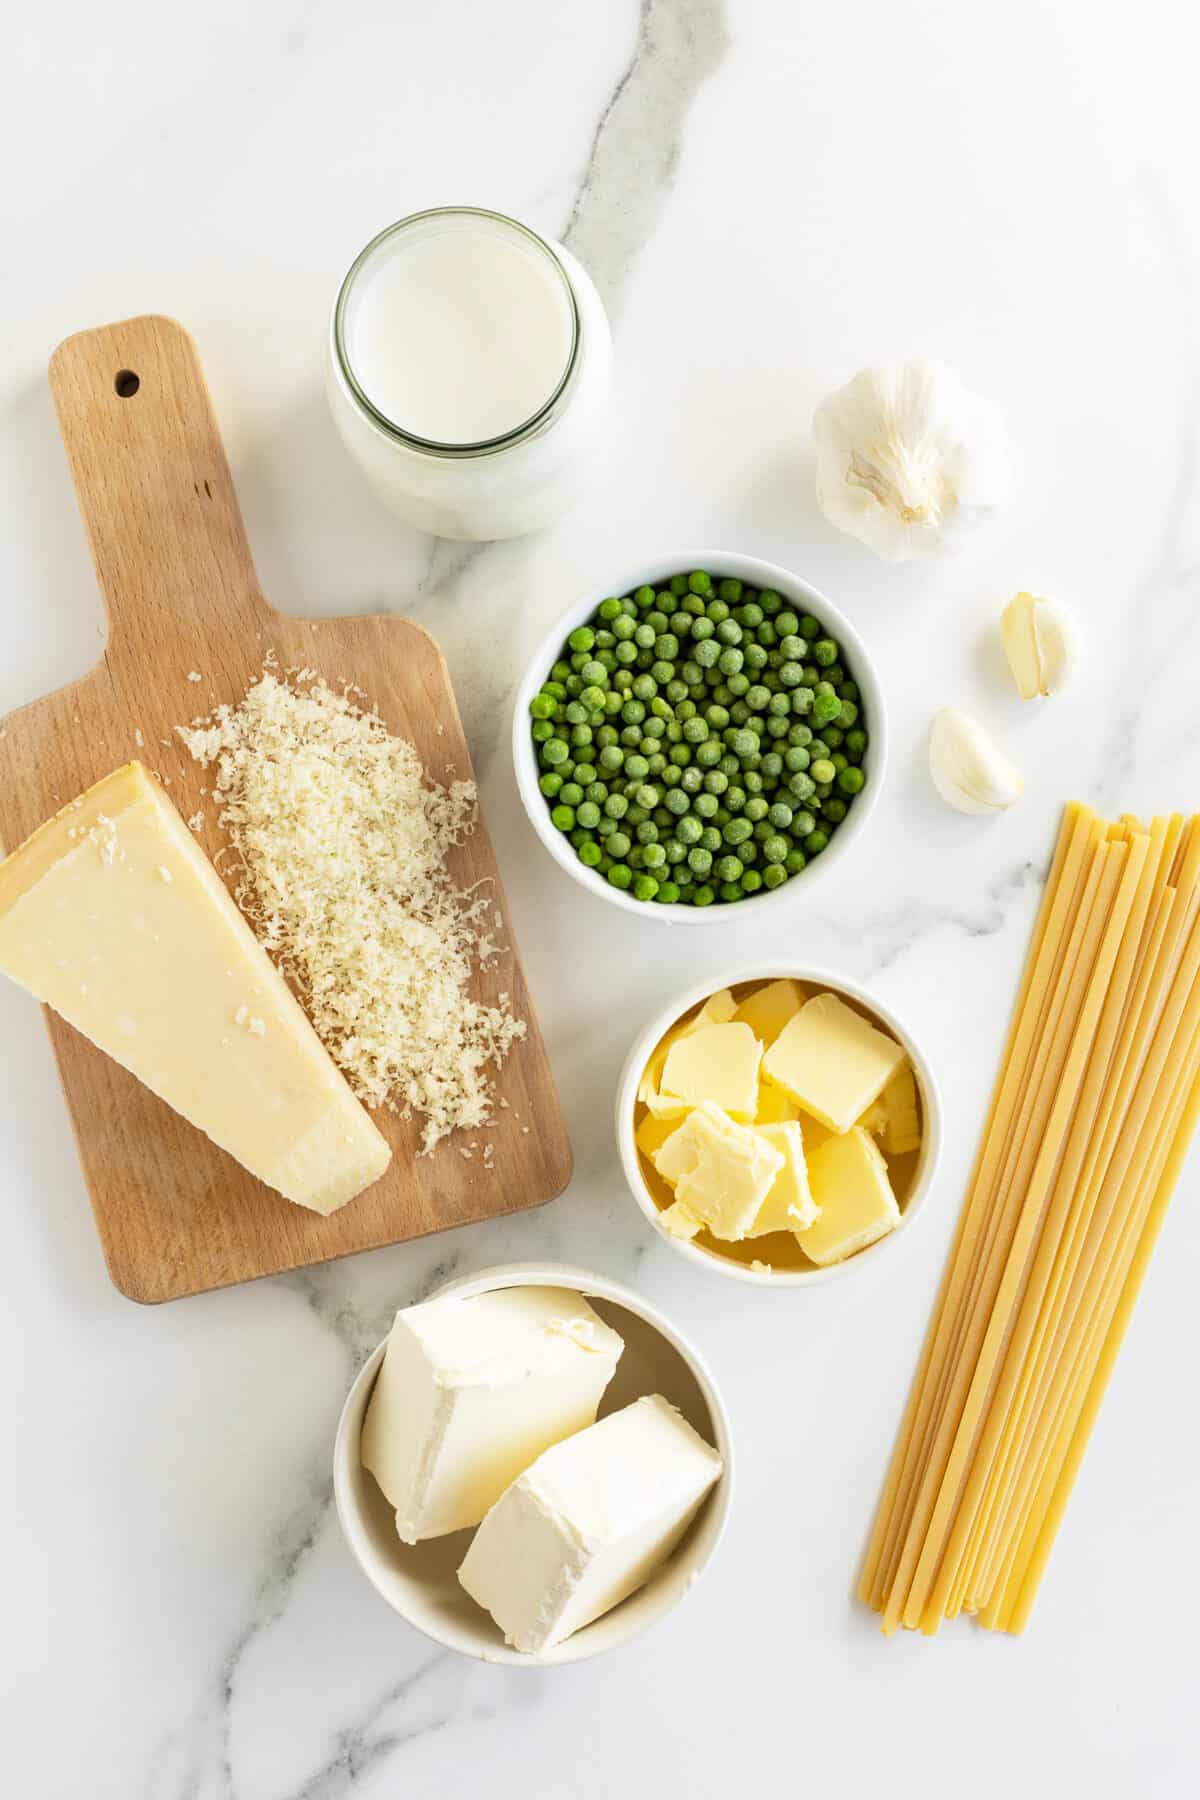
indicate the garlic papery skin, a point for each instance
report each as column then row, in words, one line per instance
column 1041, row 642
column 969, row 771
column 909, row 461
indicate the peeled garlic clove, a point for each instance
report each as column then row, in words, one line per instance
column 908, row 460
column 1041, row 642
column 969, row 771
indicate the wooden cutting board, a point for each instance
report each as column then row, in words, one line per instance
column 175, row 1214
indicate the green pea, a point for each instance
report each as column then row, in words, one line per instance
column 743, row 744
column 550, row 783
column 676, row 801
column 834, row 811
column 791, row 675
column 851, row 780
column 787, row 624
column 570, row 793
column 705, row 805
column 645, row 887
column 563, row 817
column 688, row 829
column 699, row 582
column 636, row 768
column 803, row 824
column 756, row 809
column 730, row 590
column 620, row 875
column 825, row 709
column 716, row 781
column 542, row 706
column 626, row 653
column 703, row 896
column 774, row 875
column 855, row 742
column 555, row 751
column 810, row 627
column 668, row 893
column 816, row 842
column 756, row 657
column 751, row 881
column 616, row 806
column 822, row 770
column 825, row 653
column 654, row 856
column 702, row 630
column 775, row 848
column 590, row 853
column 794, row 861
column 779, row 815
column 619, row 843
column 541, row 731
column 588, row 815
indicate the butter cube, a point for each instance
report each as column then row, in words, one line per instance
column 789, row 1206
column 774, row 1106
column 721, row 1172
column 589, row 1523
column 832, row 1061
column 717, row 1063
column 653, row 1133
column 849, row 1182
column 894, row 1119
column 718, row 1009
column 471, row 1391
column 768, row 1009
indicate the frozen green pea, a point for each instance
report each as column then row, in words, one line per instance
column 851, row 780
column 699, row 860
column 590, row 853
column 542, row 731
column 774, row 875
column 620, row 875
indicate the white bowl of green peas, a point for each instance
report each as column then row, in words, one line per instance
column 706, row 731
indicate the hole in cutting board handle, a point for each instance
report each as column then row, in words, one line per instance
column 127, row 383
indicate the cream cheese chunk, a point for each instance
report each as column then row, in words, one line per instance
column 789, row 1205
column 717, row 1063
column 472, row 1390
column 850, row 1185
column 832, row 1061
column 589, row 1523
column 112, row 914
column 721, row 1173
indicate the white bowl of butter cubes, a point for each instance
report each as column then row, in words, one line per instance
column 533, row 1466
column 778, row 1125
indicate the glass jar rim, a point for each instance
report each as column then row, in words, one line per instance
column 412, row 440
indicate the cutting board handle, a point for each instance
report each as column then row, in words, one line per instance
column 153, row 485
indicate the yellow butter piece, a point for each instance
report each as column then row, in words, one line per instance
column 718, row 1009
column 849, row 1182
column 721, row 1173
column 894, row 1119
column 774, row 1106
column 653, row 1133
column 113, row 915
column 718, row 1063
column 832, row 1061
column 769, row 1008
column 789, row 1206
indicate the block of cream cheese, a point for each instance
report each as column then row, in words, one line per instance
column 717, row 1063
column 112, row 914
column 721, row 1172
column 789, row 1205
column 832, row 1060
column 767, row 1010
column 472, row 1390
column 850, row 1185
column 589, row 1523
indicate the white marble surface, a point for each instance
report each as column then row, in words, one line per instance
column 769, row 196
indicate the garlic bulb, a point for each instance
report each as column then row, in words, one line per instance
column 969, row 771
column 1041, row 642
column 908, row 460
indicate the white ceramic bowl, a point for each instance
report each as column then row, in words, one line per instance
column 757, row 574
column 639, row 1056
column 419, row 1581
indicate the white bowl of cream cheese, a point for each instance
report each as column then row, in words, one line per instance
column 420, row 1581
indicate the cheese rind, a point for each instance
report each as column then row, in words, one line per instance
column 789, row 1205
column 717, row 1063
column 850, row 1185
column 721, row 1172
column 589, row 1523
column 832, row 1061
column 471, row 1391
column 112, row 914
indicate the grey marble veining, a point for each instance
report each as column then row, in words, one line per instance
column 769, row 197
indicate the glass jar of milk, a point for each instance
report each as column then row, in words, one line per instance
column 470, row 365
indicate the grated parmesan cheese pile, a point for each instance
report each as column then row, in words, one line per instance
column 343, row 844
